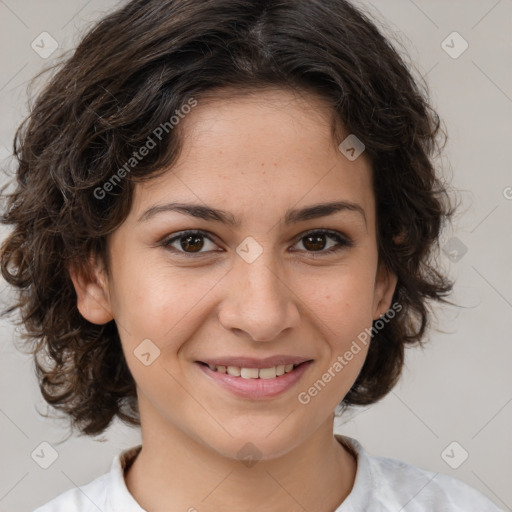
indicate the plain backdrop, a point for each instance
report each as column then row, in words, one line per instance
column 455, row 397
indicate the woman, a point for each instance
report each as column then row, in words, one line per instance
column 223, row 229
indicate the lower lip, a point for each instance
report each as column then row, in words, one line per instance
column 256, row 388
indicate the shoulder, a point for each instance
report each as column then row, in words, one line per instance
column 87, row 498
column 397, row 485
column 428, row 490
column 107, row 493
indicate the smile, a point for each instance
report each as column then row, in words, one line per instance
column 254, row 373
column 255, row 383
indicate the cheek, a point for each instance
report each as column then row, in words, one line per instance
column 160, row 303
column 341, row 305
column 165, row 306
column 342, row 317
column 341, row 298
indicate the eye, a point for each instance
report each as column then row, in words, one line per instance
column 314, row 242
column 192, row 242
column 188, row 242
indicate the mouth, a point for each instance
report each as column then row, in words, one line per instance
column 253, row 372
column 255, row 381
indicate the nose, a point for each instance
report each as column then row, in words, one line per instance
column 258, row 304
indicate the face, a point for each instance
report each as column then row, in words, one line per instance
column 264, row 278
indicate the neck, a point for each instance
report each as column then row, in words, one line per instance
column 172, row 468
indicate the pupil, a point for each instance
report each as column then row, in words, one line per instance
column 192, row 239
column 318, row 242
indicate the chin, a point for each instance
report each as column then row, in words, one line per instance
column 256, row 443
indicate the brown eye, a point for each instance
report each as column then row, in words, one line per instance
column 192, row 243
column 316, row 241
column 188, row 242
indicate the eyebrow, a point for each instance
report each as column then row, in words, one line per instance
column 291, row 216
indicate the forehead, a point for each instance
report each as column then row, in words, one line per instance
column 260, row 154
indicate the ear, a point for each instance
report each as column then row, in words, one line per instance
column 385, row 284
column 91, row 287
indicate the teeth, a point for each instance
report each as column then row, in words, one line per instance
column 254, row 373
column 268, row 373
column 249, row 373
column 234, row 370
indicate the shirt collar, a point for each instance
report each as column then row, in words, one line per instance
column 119, row 497
column 359, row 497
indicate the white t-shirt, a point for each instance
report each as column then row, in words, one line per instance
column 381, row 485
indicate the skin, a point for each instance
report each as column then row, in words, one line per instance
column 255, row 157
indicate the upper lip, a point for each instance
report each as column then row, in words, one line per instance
column 252, row 362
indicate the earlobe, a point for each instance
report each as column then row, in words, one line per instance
column 385, row 286
column 91, row 289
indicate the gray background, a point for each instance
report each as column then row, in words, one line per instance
column 460, row 387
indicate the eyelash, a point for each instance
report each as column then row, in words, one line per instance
column 343, row 242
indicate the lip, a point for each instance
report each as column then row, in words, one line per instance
column 256, row 389
column 252, row 362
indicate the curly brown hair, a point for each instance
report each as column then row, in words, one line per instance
column 131, row 72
